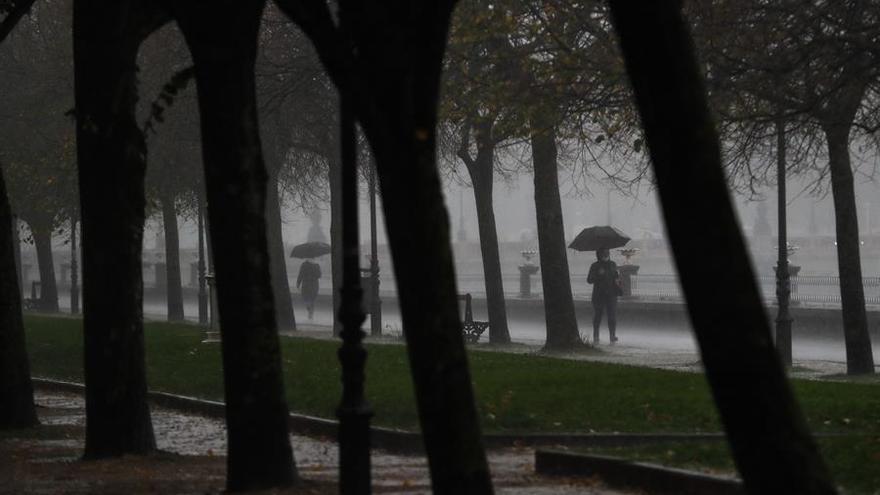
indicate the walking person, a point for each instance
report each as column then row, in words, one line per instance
column 605, row 279
column 307, row 281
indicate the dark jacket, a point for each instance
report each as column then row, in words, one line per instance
column 605, row 279
column 309, row 273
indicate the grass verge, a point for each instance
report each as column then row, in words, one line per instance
column 515, row 392
column 853, row 460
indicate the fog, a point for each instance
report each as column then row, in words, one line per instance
column 810, row 216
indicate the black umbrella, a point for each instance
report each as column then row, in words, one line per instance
column 310, row 250
column 593, row 238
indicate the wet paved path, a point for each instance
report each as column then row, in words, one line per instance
column 187, row 434
column 635, row 348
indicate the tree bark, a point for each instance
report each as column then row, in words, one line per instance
column 111, row 157
column 334, row 173
column 418, row 230
column 223, row 43
column 859, row 355
column 48, row 286
column 480, row 170
column 284, row 313
column 173, row 286
column 18, row 11
column 395, row 97
column 559, row 315
column 16, row 390
column 769, row 439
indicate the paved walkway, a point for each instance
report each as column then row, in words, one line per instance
column 624, row 352
column 201, row 437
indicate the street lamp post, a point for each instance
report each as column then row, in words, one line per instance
column 783, row 277
column 354, row 413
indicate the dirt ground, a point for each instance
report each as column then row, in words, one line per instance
column 46, row 460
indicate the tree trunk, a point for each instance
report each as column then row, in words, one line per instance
column 562, row 329
column 418, row 230
column 223, row 45
column 172, row 260
column 111, row 156
column 769, row 439
column 395, row 95
column 16, row 390
column 859, row 355
column 280, row 285
column 335, row 179
column 403, row 138
column 48, row 287
column 481, row 177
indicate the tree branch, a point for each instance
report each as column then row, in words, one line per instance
column 316, row 21
column 463, row 151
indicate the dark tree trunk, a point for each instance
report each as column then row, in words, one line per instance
column 771, row 444
column 859, row 355
column 16, row 391
column 395, row 95
column 172, row 260
column 48, row 287
column 335, row 179
column 480, row 170
column 111, row 156
column 418, row 230
column 562, row 329
column 18, row 10
column 496, row 306
column 280, row 285
column 223, row 45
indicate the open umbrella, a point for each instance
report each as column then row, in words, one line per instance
column 310, row 250
column 593, row 238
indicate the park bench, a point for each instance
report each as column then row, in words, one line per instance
column 32, row 303
column 470, row 328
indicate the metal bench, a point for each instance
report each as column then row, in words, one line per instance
column 32, row 303
column 471, row 329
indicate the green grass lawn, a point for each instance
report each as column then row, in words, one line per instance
column 514, row 392
column 854, row 460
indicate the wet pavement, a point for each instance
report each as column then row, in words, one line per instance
column 634, row 348
column 188, row 434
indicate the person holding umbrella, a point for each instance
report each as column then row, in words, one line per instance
column 606, row 287
column 309, row 272
column 603, row 274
